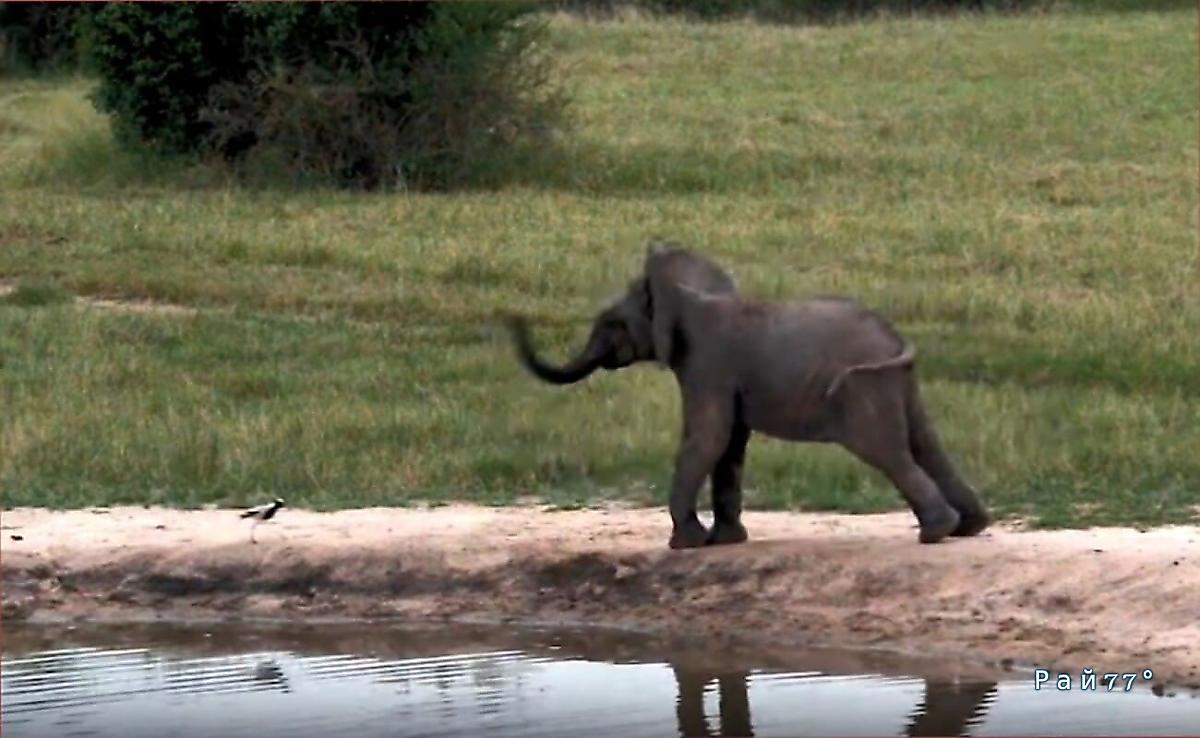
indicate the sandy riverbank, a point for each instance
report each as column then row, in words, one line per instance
column 1111, row 598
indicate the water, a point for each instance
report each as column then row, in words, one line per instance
column 297, row 681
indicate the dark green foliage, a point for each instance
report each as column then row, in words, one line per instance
column 44, row 36
column 157, row 63
column 357, row 93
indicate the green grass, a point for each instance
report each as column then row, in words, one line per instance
column 1017, row 192
column 35, row 295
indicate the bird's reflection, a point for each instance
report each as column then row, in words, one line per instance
column 948, row 709
column 269, row 672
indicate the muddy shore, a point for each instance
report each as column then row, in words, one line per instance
column 1110, row 598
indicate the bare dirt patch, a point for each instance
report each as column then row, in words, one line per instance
column 1111, row 598
column 137, row 306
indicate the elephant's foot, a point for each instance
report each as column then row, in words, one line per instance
column 972, row 523
column 724, row 532
column 938, row 525
column 691, row 534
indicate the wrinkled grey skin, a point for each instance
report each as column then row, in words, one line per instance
column 824, row 370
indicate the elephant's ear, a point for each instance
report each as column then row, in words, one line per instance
column 660, row 308
column 664, row 301
column 663, row 330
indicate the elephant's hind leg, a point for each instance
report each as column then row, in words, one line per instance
column 876, row 430
column 727, row 489
column 927, row 450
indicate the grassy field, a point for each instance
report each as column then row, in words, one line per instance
column 1017, row 193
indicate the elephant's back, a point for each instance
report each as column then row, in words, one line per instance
column 786, row 366
column 843, row 330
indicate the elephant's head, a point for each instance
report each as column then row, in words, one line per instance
column 638, row 326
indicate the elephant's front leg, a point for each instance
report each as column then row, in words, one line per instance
column 692, row 465
column 706, row 435
column 727, row 489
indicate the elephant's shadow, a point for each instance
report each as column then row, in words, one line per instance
column 947, row 708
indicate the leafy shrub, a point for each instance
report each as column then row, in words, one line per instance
column 364, row 93
column 157, row 63
column 43, row 36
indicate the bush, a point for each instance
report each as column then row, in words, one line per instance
column 367, row 94
column 157, row 63
column 43, row 36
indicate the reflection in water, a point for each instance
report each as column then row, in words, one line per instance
column 388, row 682
column 732, row 699
column 269, row 672
column 948, row 708
column 951, row 709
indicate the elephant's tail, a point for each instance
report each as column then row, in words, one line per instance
column 904, row 358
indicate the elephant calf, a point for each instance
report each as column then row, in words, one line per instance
column 824, row 370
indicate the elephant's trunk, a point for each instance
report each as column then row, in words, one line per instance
column 578, row 368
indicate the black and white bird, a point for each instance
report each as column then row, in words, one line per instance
column 262, row 513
